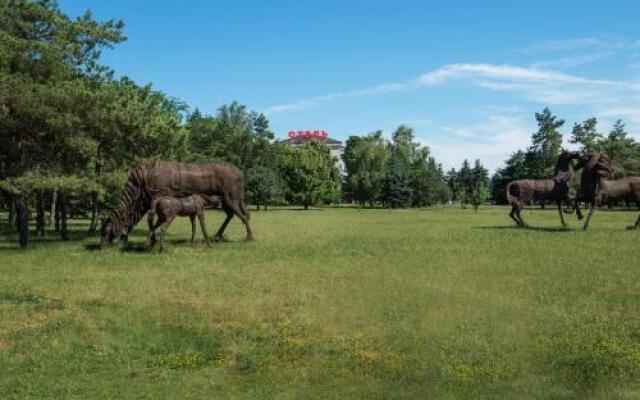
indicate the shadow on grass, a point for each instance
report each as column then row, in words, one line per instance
column 141, row 247
column 532, row 228
column 286, row 209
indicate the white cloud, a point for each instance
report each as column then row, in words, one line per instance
column 504, row 73
column 575, row 44
column 573, row 60
column 316, row 101
column 492, row 140
column 629, row 113
column 535, row 84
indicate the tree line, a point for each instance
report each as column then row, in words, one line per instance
column 401, row 173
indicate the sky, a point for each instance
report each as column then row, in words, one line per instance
column 467, row 76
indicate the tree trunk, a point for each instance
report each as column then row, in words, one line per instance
column 257, row 207
column 306, row 206
column 95, row 205
column 64, row 210
column 12, row 213
column 95, row 208
column 22, row 217
column 58, row 213
column 52, row 216
column 40, row 213
column 265, row 206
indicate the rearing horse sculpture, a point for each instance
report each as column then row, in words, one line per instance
column 176, row 179
column 594, row 187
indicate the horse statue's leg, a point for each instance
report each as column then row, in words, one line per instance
column 203, row 228
column 512, row 215
column 591, row 210
column 163, row 230
column 559, row 202
column 192, row 218
column 224, row 224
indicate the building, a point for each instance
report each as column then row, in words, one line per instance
column 300, row 138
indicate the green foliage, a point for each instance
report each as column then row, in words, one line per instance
column 465, row 182
column 396, row 192
column 623, row 151
column 365, row 159
column 479, row 196
column 586, row 135
column 310, row 174
column 264, row 186
column 399, row 173
column 516, row 168
column 546, row 144
column 234, row 135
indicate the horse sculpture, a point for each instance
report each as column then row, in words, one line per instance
column 595, row 189
column 168, row 208
column 520, row 192
column 176, row 179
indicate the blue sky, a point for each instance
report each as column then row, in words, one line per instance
column 468, row 76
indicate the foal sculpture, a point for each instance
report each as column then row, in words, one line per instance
column 167, row 208
column 520, row 192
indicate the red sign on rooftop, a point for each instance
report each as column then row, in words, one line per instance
column 308, row 135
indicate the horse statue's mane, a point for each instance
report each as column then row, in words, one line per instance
column 134, row 201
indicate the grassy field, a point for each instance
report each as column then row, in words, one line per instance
column 330, row 304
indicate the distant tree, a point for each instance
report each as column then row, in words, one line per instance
column 623, row 151
column 365, row 159
column 479, row 175
column 427, row 181
column 396, row 192
column 465, row 183
column 515, row 169
column 233, row 135
column 263, row 186
column 546, row 144
column 310, row 174
column 586, row 134
column 451, row 179
column 479, row 196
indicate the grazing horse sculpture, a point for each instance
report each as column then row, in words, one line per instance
column 167, row 208
column 176, row 179
column 595, row 189
column 520, row 192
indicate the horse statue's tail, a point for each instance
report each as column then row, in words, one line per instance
column 511, row 199
column 243, row 206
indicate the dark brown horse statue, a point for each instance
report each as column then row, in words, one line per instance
column 167, row 178
column 520, row 192
column 595, row 189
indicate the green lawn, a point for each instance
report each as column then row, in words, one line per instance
column 330, row 304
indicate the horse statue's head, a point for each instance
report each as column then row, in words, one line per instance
column 564, row 170
column 110, row 230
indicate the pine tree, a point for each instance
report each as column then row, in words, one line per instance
column 546, row 144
